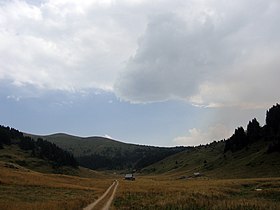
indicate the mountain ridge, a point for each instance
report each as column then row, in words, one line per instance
column 252, row 150
column 103, row 153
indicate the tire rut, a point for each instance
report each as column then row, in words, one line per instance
column 100, row 201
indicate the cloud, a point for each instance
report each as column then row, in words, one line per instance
column 196, row 136
column 213, row 54
column 12, row 97
column 221, row 124
column 208, row 53
column 107, row 136
column 162, row 59
column 63, row 45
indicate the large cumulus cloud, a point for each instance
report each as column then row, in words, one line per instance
column 210, row 53
column 65, row 45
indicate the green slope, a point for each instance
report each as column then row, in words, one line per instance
column 104, row 153
column 211, row 161
column 14, row 157
column 254, row 152
column 80, row 146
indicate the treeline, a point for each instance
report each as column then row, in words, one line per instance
column 134, row 159
column 40, row 148
column 270, row 132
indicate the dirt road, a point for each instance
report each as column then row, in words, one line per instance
column 104, row 202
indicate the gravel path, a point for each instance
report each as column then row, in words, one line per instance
column 108, row 202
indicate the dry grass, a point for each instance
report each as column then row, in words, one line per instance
column 152, row 193
column 24, row 189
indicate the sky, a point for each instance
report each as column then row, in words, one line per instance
column 164, row 73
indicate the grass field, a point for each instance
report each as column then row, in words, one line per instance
column 21, row 188
column 24, row 189
column 158, row 193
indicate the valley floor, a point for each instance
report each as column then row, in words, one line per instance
column 159, row 193
column 21, row 188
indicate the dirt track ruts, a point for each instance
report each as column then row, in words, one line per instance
column 108, row 202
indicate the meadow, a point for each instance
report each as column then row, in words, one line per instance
column 163, row 193
column 24, row 189
column 21, row 188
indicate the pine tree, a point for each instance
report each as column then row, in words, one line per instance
column 253, row 131
column 237, row 141
column 273, row 119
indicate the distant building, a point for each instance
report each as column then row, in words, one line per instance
column 196, row 174
column 129, row 177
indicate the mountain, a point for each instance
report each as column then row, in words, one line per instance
column 250, row 152
column 104, row 153
column 254, row 152
column 39, row 155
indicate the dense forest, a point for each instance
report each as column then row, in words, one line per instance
column 40, row 148
column 134, row 159
column 270, row 132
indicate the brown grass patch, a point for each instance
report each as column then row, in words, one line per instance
column 24, row 189
column 153, row 193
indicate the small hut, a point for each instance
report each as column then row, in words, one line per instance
column 129, row 177
column 197, row 174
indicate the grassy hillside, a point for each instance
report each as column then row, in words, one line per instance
column 254, row 152
column 103, row 153
column 39, row 155
column 21, row 188
column 12, row 155
column 211, row 161
column 80, row 146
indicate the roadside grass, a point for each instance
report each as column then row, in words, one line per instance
column 21, row 188
column 157, row 193
column 38, row 197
